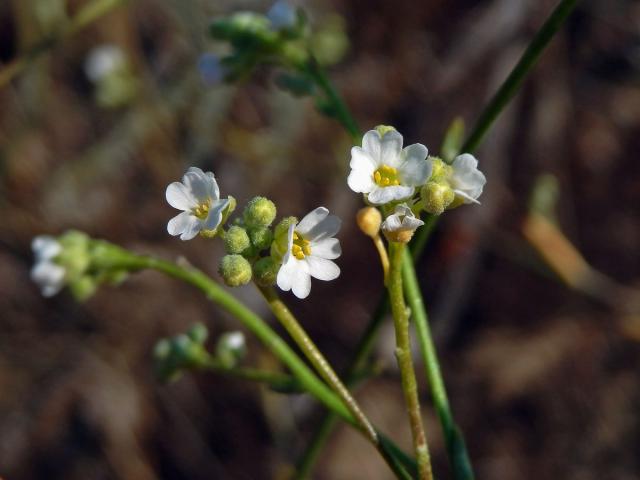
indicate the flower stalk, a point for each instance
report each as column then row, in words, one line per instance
column 405, row 362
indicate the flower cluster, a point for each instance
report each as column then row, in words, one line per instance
column 403, row 182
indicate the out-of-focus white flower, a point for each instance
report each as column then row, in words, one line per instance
column 104, row 60
column 385, row 171
column 49, row 276
column 282, row 14
column 198, row 196
column 401, row 224
column 310, row 249
column 466, row 180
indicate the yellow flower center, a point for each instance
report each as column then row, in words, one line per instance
column 386, row 176
column 202, row 210
column 301, row 246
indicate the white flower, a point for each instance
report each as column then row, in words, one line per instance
column 385, row 171
column 466, row 180
column 199, row 197
column 401, row 224
column 310, row 249
column 49, row 276
column 102, row 61
column 282, row 14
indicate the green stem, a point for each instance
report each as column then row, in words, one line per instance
column 277, row 381
column 87, row 15
column 456, row 448
column 513, row 82
column 405, row 362
column 317, row 359
column 343, row 115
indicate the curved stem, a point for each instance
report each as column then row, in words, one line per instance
column 456, row 448
column 405, row 362
column 278, row 381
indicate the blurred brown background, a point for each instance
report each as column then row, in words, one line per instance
column 543, row 378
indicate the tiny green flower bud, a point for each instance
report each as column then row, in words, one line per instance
column 236, row 240
column 261, row 238
column 235, row 270
column 162, row 349
column 198, row 333
column 436, row 197
column 259, row 212
column 382, row 129
column 265, row 271
column 369, row 220
column 84, row 287
column 231, row 348
column 440, row 171
column 279, row 245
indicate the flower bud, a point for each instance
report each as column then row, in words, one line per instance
column 279, row 245
column 235, row 270
column 440, row 171
column 400, row 226
column 236, row 240
column 198, row 333
column 265, row 271
column 436, row 197
column 383, row 129
column 231, row 348
column 259, row 212
column 261, row 238
column 84, row 287
column 369, row 220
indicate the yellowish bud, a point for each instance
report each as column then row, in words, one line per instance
column 436, row 197
column 369, row 220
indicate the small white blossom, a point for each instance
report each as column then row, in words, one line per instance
column 235, row 340
column 198, row 196
column 310, row 249
column 401, row 224
column 466, row 180
column 282, row 14
column 385, row 171
column 102, row 61
column 49, row 276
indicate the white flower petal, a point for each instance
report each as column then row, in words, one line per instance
column 371, row 144
column 322, row 269
column 391, row 224
column 466, row 197
column 179, row 223
column 45, row 247
column 215, row 214
column 198, row 183
column 360, row 181
column 312, row 219
column 416, row 169
column 391, row 146
column 361, row 160
column 411, row 222
column 326, row 248
column 214, row 190
column 328, row 227
column 467, row 181
column 284, row 280
column 192, row 228
column 49, row 277
column 301, row 285
column 180, row 197
column 382, row 195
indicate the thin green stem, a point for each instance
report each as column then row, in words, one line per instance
column 317, row 359
column 339, row 107
column 513, row 82
column 456, row 448
column 88, row 14
column 405, row 362
column 276, row 380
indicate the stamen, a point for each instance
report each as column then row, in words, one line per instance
column 386, row 176
column 301, row 246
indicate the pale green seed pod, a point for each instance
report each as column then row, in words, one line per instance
column 236, row 240
column 235, row 270
column 436, row 197
column 259, row 212
column 265, row 271
column 261, row 238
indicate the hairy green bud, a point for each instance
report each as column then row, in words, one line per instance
column 265, row 271
column 235, row 270
column 383, row 129
column 279, row 245
column 261, row 237
column 440, row 171
column 198, row 333
column 259, row 212
column 436, row 197
column 236, row 240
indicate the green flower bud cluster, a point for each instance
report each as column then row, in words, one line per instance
column 231, row 349
column 245, row 240
column 437, row 194
column 184, row 351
